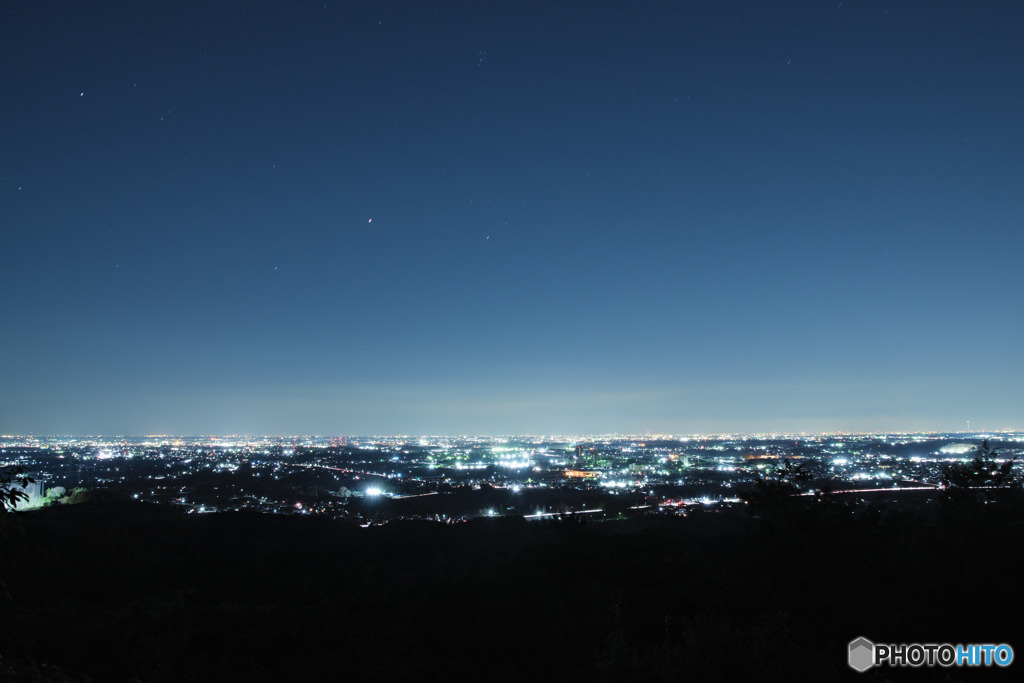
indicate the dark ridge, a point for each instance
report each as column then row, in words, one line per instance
column 119, row 591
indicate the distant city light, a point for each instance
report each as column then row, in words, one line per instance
column 455, row 478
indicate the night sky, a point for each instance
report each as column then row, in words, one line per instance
column 511, row 217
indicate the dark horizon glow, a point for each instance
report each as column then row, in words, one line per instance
column 502, row 218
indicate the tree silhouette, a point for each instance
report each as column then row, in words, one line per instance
column 12, row 483
column 984, row 479
column 778, row 492
column 13, row 480
column 984, row 471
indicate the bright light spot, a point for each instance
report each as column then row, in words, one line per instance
column 374, row 491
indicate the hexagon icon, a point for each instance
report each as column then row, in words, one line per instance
column 862, row 654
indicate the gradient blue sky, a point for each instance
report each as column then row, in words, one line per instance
column 487, row 217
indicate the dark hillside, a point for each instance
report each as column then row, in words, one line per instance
column 122, row 592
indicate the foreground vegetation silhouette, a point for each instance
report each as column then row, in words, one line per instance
column 120, row 591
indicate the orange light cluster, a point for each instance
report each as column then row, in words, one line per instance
column 580, row 474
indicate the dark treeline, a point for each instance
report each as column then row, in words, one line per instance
column 120, row 591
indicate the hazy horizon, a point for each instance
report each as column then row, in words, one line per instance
column 972, row 433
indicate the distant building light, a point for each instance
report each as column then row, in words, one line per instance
column 580, row 474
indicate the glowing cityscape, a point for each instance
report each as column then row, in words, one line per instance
column 374, row 480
